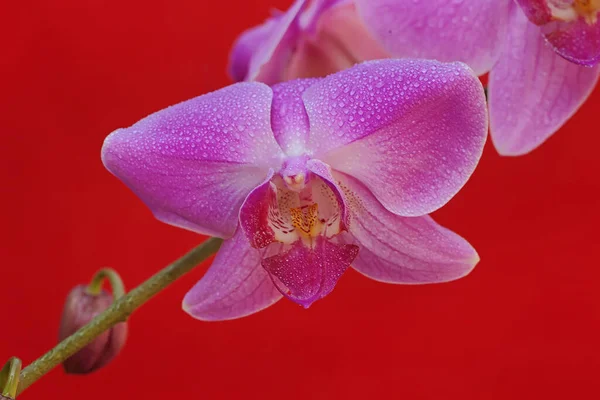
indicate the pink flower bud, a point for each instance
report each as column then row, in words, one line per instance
column 80, row 308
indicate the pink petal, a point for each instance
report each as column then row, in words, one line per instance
column 247, row 45
column 396, row 249
column 411, row 130
column 533, row 91
column 262, row 53
column 309, row 274
column 194, row 163
column 234, row 286
column 471, row 31
column 288, row 115
column 339, row 39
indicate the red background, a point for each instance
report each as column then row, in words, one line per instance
column 525, row 324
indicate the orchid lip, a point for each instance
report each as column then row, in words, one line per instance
column 302, row 207
column 294, row 217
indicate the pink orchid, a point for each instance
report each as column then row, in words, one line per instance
column 311, row 176
column 533, row 89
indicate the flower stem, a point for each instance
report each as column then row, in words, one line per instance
column 9, row 378
column 117, row 312
column 116, row 283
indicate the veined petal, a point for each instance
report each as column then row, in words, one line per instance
column 470, row 31
column 336, row 40
column 572, row 27
column 309, row 274
column 194, row 163
column 410, row 250
column 411, row 130
column 532, row 90
column 262, row 53
column 310, row 19
column 247, row 46
column 288, row 115
column 234, row 286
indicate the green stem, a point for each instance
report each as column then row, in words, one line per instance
column 116, row 283
column 9, row 378
column 117, row 312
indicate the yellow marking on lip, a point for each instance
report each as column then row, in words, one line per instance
column 588, row 9
column 306, row 220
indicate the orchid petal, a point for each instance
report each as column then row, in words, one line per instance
column 469, row 31
column 314, row 11
column 309, row 274
column 410, row 250
column 336, row 39
column 194, row 163
column 261, row 53
column 246, row 48
column 234, row 286
column 288, row 115
column 411, row 130
column 532, row 90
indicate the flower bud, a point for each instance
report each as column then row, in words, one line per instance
column 80, row 308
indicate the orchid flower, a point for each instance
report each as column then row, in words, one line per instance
column 311, row 176
column 541, row 57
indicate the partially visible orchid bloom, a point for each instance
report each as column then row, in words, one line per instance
column 310, row 176
column 533, row 89
column 308, row 40
column 570, row 26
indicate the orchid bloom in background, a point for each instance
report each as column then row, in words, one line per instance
column 311, row 176
column 533, row 89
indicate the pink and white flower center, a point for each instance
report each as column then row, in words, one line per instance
column 302, row 214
